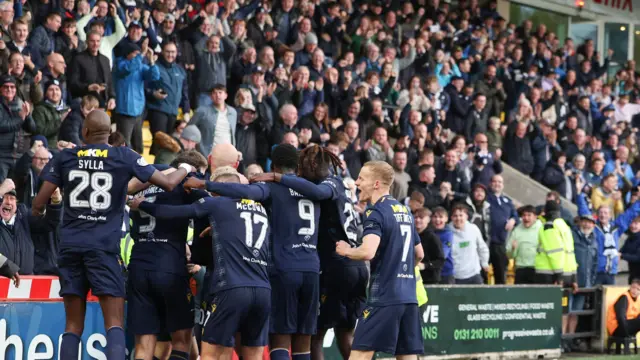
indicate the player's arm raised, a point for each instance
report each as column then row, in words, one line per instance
column 315, row 192
column 42, row 199
column 168, row 182
column 136, row 185
column 257, row 192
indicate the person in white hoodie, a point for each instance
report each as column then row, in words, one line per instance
column 470, row 252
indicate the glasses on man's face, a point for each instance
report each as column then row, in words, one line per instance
column 42, row 159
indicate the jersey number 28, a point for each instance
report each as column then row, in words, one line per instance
column 100, row 182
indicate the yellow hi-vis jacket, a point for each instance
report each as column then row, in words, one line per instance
column 555, row 249
column 126, row 244
column 421, row 292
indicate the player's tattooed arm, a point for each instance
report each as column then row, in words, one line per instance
column 135, row 185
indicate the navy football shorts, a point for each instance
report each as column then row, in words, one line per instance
column 82, row 269
column 243, row 310
column 294, row 303
column 158, row 302
column 343, row 296
column 393, row 329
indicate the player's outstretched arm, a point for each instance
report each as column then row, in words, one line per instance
column 42, row 199
column 135, row 185
column 255, row 192
column 364, row 252
column 169, row 182
column 315, row 192
column 165, row 211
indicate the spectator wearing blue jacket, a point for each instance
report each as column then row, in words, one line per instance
column 129, row 76
column 609, row 241
column 169, row 93
column 439, row 221
column 624, row 170
column 504, row 218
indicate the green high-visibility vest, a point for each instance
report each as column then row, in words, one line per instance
column 421, row 292
column 126, row 245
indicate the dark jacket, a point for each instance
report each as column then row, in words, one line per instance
column 495, row 97
column 433, row 257
column 517, row 151
column 10, row 125
column 458, row 109
column 554, row 178
column 26, row 180
column 16, row 243
column 48, row 121
column 309, row 122
column 586, row 251
column 475, row 122
column 173, row 80
column 431, row 194
column 87, row 70
column 71, row 127
column 502, row 210
column 631, row 254
column 212, row 68
column 43, row 39
column 457, row 179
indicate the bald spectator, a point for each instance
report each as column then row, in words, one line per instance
column 378, row 148
column 55, row 70
column 287, row 123
column 27, row 171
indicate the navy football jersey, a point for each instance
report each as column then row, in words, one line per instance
column 393, row 267
column 338, row 217
column 240, row 235
column 160, row 244
column 294, row 222
column 94, row 180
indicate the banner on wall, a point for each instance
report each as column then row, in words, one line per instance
column 474, row 320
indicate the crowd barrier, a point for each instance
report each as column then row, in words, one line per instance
column 458, row 321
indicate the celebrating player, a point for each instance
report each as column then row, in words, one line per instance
column 158, row 287
column 94, row 180
column 391, row 321
column 343, row 280
column 294, row 281
column 240, row 290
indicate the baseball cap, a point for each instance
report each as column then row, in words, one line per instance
column 587, row 217
column 6, row 79
column 191, row 133
column 11, row 192
column 248, row 107
column 609, row 107
column 135, row 23
column 258, row 69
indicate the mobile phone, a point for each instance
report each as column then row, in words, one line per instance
column 162, row 91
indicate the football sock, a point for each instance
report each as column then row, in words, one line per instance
column 301, row 356
column 70, row 346
column 115, row 343
column 279, row 354
column 178, row 355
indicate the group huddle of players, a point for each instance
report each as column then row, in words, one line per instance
column 287, row 260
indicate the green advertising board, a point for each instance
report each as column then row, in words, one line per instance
column 489, row 319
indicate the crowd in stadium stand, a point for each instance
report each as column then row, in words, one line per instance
column 444, row 93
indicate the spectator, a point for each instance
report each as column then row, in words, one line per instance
column 217, row 121
column 620, row 166
column 476, row 120
column 401, row 180
column 91, row 74
column 623, row 317
column 493, row 90
column 432, row 263
column 449, row 171
column 503, row 219
column 28, row 168
column 319, row 123
column 169, row 146
column 68, row 44
column 494, row 135
column 18, row 44
column 211, row 67
column 251, row 136
column 11, row 122
column 630, row 251
column 50, row 113
column 55, row 70
column 555, row 177
column 43, row 37
column 287, row 123
column 522, row 245
column 71, row 128
column 517, row 147
column 484, row 164
column 480, row 214
column 18, row 226
column 27, row 79
column 444, row 233
column 579, row 145
column 108, row 38
column 469, row 251
column 586, row 242
column 607, row 195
